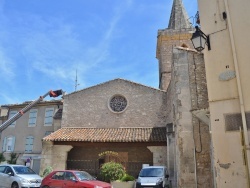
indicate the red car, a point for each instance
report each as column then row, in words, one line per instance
column 72, row 179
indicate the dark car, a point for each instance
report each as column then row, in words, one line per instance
column 72, row 179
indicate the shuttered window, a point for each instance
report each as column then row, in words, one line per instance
column 29, row 144
column 32, row 117
column 12, row 113
column 8, row 144
column 49, row 112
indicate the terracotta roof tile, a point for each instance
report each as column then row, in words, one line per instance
column 156, row 134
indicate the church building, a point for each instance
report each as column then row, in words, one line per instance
column 127, row 122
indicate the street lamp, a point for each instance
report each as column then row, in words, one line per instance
column 199, row 39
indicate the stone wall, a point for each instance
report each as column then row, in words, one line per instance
column 146, row 107
column 131, row 156
column 199, row 100
column 54, row 156
column 167, row 40
column 191, row 140
column 159, row 155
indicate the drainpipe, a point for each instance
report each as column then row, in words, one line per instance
column 242, row 107
column 195, row 169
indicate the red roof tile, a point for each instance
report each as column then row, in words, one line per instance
column 156, row 134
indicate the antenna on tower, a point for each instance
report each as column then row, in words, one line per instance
column 76, row 82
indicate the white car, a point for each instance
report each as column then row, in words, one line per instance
column 18, row 176
column 153, row 177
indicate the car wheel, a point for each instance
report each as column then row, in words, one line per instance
column 45, row 186
column 14, row 185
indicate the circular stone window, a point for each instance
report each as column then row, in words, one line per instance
column 118, row 103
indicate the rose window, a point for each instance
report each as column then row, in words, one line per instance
column 118, row 103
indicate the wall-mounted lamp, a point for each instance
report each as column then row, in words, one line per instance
column 199, row 39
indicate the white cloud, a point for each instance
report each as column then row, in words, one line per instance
column 55, row 46
column 52, row 47
column 6, row 67
column 10, row 99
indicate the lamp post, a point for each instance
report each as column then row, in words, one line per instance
column 199, row 39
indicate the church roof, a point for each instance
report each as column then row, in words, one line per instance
column 151, row 134
column 179, row 18
column 116, row 80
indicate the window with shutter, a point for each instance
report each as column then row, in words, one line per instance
column 29, row 144
column 4, row 144
column 9, row 144
column 32, row 117
column 49, row 112
column 12, row 113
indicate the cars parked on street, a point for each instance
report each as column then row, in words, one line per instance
column 153, row 177
column 72, row 179
column 18, row 176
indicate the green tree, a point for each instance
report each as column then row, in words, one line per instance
column 2, row 158
column 13, row 158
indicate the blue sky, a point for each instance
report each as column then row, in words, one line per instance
column 44, row 42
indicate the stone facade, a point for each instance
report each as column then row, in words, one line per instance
column 177, row 34
column 92, row 156
column 191, row 139
column 182, row 75
column 167, row 40
column 54, row 156
column 179, row 106
column 90, row 108
column 146, row 107
column 159, row 154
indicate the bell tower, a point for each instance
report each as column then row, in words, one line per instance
column 177, row 34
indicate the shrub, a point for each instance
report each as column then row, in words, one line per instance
column 127, row 177
column 2, row 158
column 13, row 158
column 46, row 171
column 112, row 171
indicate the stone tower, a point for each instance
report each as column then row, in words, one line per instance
column 177, row 34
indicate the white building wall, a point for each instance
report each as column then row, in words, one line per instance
column 227, row 72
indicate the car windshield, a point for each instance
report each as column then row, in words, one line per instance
column 23, row 170
column 81, row 175
column 151, row 172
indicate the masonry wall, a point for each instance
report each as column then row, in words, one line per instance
column 168, row 39
column 191, row 139
column 87, row 158
column 201, row 132
column 90, row 107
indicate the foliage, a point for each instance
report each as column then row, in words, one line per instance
column 13, row 158
column 127, row 177
column 46, row 171
column 2, row 158
column 112, row 171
